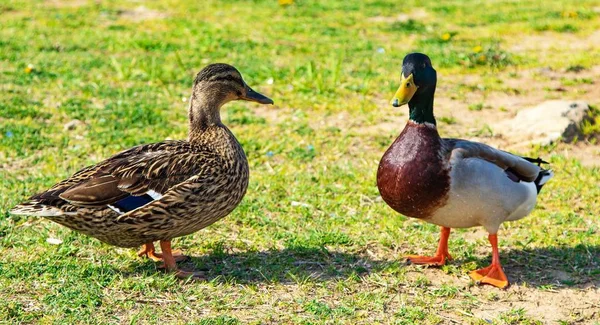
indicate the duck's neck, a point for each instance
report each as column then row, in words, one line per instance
column 421, row 106
column 204, row 112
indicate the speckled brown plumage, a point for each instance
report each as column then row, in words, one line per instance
column 202, row 182
column 193, row 183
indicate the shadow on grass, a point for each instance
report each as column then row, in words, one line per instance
column 553, row 267
column 577, row 267
column 292, row 265
column 557, row 267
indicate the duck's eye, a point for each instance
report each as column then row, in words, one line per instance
column 408, row 85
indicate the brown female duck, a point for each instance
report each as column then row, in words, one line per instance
column 159, row 191
column 452, row 183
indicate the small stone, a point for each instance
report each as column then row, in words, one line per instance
column 72, row 125
column 53, row 241
column 546, row 123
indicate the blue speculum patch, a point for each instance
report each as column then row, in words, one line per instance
column 132, row 202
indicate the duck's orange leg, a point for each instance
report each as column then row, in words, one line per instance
column 149, row 251
column 169, row 262
column 440, row 256
column 492, row 274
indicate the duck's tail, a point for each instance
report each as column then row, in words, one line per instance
column 543, row 177
column 545, row 174
column 35, row 208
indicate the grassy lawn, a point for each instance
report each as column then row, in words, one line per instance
column 312, row 242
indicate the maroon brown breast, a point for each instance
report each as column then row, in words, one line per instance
column 412, row 178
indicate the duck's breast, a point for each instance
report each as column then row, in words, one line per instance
column 412, row 177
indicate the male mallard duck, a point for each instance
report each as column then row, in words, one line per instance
column 159, row 191
column 452, row 183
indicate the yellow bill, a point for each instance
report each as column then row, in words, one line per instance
column 405, row 92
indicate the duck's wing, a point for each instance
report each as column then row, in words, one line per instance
column 514, row 166
column 130, row 179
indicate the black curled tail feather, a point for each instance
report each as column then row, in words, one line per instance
column 544, row 175
column 539, row 161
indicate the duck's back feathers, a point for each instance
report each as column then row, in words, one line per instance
column 518, row 169
column 150, row 192
column 462, row 149
column 130, row 179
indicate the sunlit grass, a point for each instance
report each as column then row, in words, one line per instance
column 312, row 241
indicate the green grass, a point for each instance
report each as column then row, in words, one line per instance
column 335, row 256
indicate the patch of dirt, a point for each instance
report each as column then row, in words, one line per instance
column 435, row 276
column 475, row 234
column 587, row 154
column 552, row 41
column 271, row 114
column 67, row 3
column 549, row 306
column 142, row 13
column 536, row 87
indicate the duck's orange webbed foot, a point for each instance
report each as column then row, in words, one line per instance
column 149, row 251
column 493, row 274
column 437, row 260
column 440, row 256
column 169, row 263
